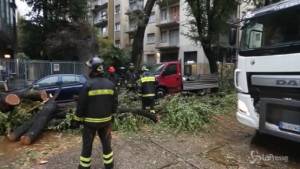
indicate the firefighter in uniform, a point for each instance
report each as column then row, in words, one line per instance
column 97, row 101
column 147, row 84
column 132, row 77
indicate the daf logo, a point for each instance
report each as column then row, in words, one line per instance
column 288, row 82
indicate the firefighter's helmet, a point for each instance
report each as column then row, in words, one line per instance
column 95, row 64
column 144, row 68
column 111, row 69
column 131, row 66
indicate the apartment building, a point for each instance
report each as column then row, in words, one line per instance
column 103, row 17
column 7, row 28
column 165, row 38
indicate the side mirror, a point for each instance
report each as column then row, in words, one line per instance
column 232, row 36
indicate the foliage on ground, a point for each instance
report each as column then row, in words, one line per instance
column 16, row 117
column 181, row 113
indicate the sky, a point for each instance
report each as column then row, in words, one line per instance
column 22, row 7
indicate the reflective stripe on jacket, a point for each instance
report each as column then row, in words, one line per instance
column 97, row 101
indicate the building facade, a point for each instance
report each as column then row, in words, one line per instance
column 103, row 17
column 7, row 28
column 165, row 36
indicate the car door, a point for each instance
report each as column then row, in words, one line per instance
column 71, row 86
column 172, row 77
column 49, row 83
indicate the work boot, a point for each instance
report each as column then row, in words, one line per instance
column 109, row 166
column 81, row 167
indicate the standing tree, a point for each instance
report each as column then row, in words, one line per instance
column 210, row 17
column 138, row 45
column 210, row 20
column 58, row 28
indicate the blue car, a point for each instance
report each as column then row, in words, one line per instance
column 70, row 84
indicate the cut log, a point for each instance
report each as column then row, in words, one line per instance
column 8, row 101
column 41, row 121
column 19, row 131
column 140, row 112
column 31, row 94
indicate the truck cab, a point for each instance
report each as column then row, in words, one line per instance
column 168, row 76
column 170, row 79
column 268, row 70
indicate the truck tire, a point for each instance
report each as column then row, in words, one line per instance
column 161, row 92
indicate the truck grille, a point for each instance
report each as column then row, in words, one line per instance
column 259, row 91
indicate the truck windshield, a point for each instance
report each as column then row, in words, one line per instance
column 157, row 69
column 276, row 33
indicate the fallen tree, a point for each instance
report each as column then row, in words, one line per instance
column 8, row 101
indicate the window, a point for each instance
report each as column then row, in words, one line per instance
column 151, row 38
column 174, row 12
column 152, row 18
column 70, row 79
column 117, row 43
column 164, row 37
column 117, row 9
column 174, row 37
column 117, row 26
column 270, row 34
column 163, row 14
column 170, row 70
column 49, row 81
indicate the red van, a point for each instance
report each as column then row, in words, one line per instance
column 170, row 79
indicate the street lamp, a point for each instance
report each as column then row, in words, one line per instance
column 7, row 56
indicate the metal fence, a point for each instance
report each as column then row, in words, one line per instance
column 20, row 73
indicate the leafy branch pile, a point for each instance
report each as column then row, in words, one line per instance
column 193, row 113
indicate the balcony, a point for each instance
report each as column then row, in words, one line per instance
column 170, row 22
column 99, row 5
column 101, row 22
column 135, row 8
column 164, row 3
column 167, row 45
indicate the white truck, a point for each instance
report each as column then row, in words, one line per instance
column 267, row 76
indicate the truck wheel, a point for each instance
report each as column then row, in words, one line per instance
column 161, row 92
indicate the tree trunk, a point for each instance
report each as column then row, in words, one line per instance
column 212, row 60
column 40, row 122
column 19, row 131
column 31, row 94
column 139, row 112
column 138, row 42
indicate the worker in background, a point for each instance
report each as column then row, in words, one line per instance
column 132, row 77
column 122, row 76
column 97, row 101
column 147, row 88
column 112, row 74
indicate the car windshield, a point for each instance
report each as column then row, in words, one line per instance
column 157, row 69
column 272, row 33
